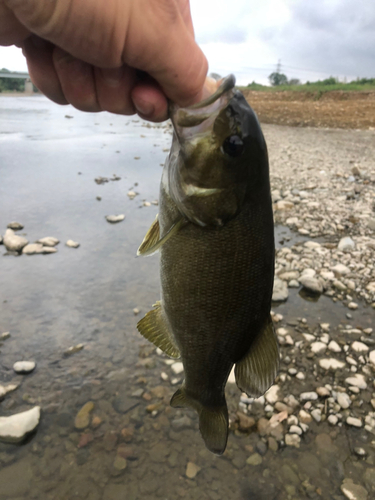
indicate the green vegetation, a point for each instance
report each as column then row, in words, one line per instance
column 318, row 86
column 11, row 84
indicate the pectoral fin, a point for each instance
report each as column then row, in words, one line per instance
column 256, row 371
column 154, row 327
column 152, row 241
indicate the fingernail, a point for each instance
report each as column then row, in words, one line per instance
column 112, row 76
column 144, row 108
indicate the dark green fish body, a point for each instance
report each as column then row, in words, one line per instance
column 215, row 226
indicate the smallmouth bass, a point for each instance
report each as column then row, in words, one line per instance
column 215, row 234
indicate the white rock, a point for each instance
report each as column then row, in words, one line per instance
column 316, row 415
column 308, row 337
column 332, row 419
column 318, row 347
column 5, row 389
column 295, row 429
column 340, row 270
column 272, row 395
column 309, row 272
column 354, row 422
column 115, row 218
column 24, row 366
column 311, row 284
column 324, row 338
column 177, row 367
column 312, row 244
column 325, row 327
column 15, row 428
column 371, row 357
column 284, row 205
column 359, row 347
column 13, row 242
column 331, row 364
column 282, row 331
column 292, row 440
column 357, row 380
column 131, row 194
column 32, row 248
column 353, row 491
column 334, row 347
column 353, row 305
column 344, row 400
column 308, row 396
column 293, row 284
column 346, row 244
column 72, row 244
column 300, row 376
column 280, row 290
column 48, row 241
column 4, row 336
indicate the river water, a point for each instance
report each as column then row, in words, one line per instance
column 136, row 446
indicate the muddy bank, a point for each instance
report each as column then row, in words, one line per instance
column 333, row 109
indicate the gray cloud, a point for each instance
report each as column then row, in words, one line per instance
column 333, row 37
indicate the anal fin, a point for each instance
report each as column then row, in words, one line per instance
column 154, row 328
column 257, row 370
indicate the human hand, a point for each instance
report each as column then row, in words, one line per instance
column 122, row 56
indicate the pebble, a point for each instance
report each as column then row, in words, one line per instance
column 346, row 244
column 371, row 357
column 73, row 349
column 357, row 380
column 192, row 470
column 32, row 248
column 132, row 194
column 318, row 347
column 340, row 269
column 304, row 417
column 115, row 218
column 332, row 419
column 311, row 284
column 316, row 414
column 254, row 459
column 48, row 241
column 322, row 392
column 292, row 440
column 334, row 347
column 13, row 242
column 295, row 429
column 272, row 395
column 280, row 291
column 5, row 389
column 15, row 428
column 24, row 366
column 344, row 400
column 308, row 396
column 6, row 335
column 72, row 244
column 136, row 311
column 331, row 364
column 354, row 422
column 16, row 226
column 359, row 347
column 82, row 419
column 177, row 368
column 353, row 491
column 353, row 305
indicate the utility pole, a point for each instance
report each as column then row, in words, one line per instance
column 278, row 66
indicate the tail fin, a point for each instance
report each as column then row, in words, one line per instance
column 213, row 421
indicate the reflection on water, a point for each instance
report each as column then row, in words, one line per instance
column 135, row 445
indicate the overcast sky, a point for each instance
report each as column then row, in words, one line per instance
column 313, row 40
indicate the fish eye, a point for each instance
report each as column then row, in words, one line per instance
column 233, row 146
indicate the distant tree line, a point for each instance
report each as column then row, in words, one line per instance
column 11, row 84
column 277, row 79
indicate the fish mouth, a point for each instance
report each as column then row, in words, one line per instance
column 198, row 118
